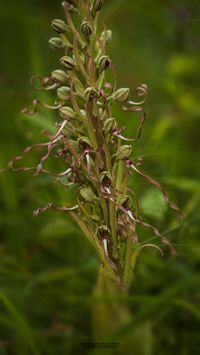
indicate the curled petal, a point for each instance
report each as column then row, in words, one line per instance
column 59, row 131
column 66, row 172
column 157, row 233
column 129, row 214
column 118, row 135
column 55, row 207
column 45, row 83
column 44, row 158
column 26, row 169
column 55, row 138
column 26, row 111
column 142, row 119
column 63, row 184
column 152, row 246
column 28, row 149
column 36, row 104
column 56, row 106
column 141, row 91
column 18, row 170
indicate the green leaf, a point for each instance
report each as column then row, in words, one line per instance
column 20, row 322
column 153, row 204
column 186, row 184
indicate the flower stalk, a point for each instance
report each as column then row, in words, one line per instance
column 96, row 161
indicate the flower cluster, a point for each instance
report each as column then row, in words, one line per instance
column 96, row 155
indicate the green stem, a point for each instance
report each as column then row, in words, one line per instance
column 112, row 207
column 72, row 27
column 128, row 258
column 112, row 211
column 91, row 130
column 120, row 176
column 107, row 156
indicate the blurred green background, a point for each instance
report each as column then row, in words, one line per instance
column 47, row 268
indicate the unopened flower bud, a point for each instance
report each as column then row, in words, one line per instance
column 59, row 76
column 124, row 152
column 87, row 194
column 91, row 94
column 86, row 28
column 106, row 36
column 104, row 63
column 109, row 125
column 59, row 26
column 84, row 143
column 97, row 5
column 121, row 95
column 68, row 63
column 67, row 112
column 56, row 43
column 63, row 92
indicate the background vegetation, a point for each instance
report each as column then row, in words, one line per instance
column 47, row 269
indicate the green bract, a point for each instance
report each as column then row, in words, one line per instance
column 124, row 152
column 106, row 178
column 87, row 194
column 109, row 125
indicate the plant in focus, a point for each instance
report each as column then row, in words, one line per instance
column 96, row 156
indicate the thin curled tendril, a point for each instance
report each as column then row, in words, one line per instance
column 142, row 119
column 36, row 103
column 50, row 145
column 141, row 91
column 46, row 84
column 85, row 165
column 55, row 207
column 139, row 221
